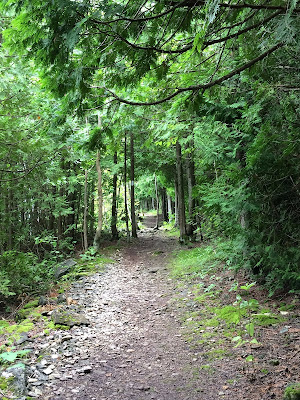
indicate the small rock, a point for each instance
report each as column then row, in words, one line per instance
column 284, row 329
column 86, row 369
column 64, row 268
column 48, row 370
column 61, row 299
column 66, row 338
column 19, row 375
column 69, row 318
column 153, row 270
column 143, row 388
column 35, row 393
column 23, row 338
column 43, row 301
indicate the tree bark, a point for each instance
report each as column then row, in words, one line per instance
column 85, row 211
column 9, row 219
column 60, row 219
column 191, row 180
column 133, row 218
column 125, row 187
column 181, row 204
column 176, row 202
column 91, row 201
column 157, row 203
column 169, row 201
column 114, row 230
column 164, row 205
column 100, row 201
column 100, row 197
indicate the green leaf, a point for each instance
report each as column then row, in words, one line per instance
column 250, row 328
column 11, row 356
column 18, row 365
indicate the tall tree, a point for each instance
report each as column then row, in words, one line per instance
column 114, row 214
column 181, row 202
column 132, row 191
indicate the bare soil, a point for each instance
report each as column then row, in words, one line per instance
column 135, row 348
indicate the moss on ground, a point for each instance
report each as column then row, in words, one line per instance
column 267, row 319
column 210, row 324
column 292, row 392
column 31, row 304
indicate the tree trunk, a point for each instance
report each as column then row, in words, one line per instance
column 9, row 219
column 133, row 219
column 114, row 230
column 100, row 202
column 181, row 204
column 169, row 201
column 91, row 201
column 164, row 204
column 100, row 196
column 85, row 211
column 176, row 202
column 191, row 180
column 157, row 203
column 60, row 219
column 125, row 187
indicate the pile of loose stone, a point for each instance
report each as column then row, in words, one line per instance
column 61, row 348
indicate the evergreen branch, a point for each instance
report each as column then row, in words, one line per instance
column 250, row 16
column 192, row 3
column 27, row 171
column 249, row 28
column 162, row 14
column 190, row 45
column 127, row 19
column 195, row 88
column 152, row 48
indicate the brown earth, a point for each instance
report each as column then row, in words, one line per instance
column 136, row 347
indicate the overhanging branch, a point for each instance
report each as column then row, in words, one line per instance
column 193, row 3
column 195, row 88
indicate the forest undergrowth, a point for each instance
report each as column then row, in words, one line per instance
column 229, row 319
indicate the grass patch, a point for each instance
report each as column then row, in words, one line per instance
column 196, row 262
column 172, row 232
column 268, row 319
column 216, row 354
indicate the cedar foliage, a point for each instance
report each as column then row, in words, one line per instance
column 221, row 80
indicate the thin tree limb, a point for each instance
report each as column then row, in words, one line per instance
column 195, row 88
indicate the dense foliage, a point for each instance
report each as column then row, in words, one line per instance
column 202, row 96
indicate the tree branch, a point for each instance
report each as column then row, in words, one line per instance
column 142, row 19
column 249, row 28
column 192, row 3
column 189, row 46
column 195, row 88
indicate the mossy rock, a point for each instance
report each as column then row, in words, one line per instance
column 31, row 304
column 26, row 313
column 292, row 392
column 23, row 314
column 5, row 383
column 68, row 318
column 27, row 310
column 14, row 332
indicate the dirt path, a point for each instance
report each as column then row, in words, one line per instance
column 134, row 348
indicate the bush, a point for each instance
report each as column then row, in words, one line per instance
column 21, row 273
